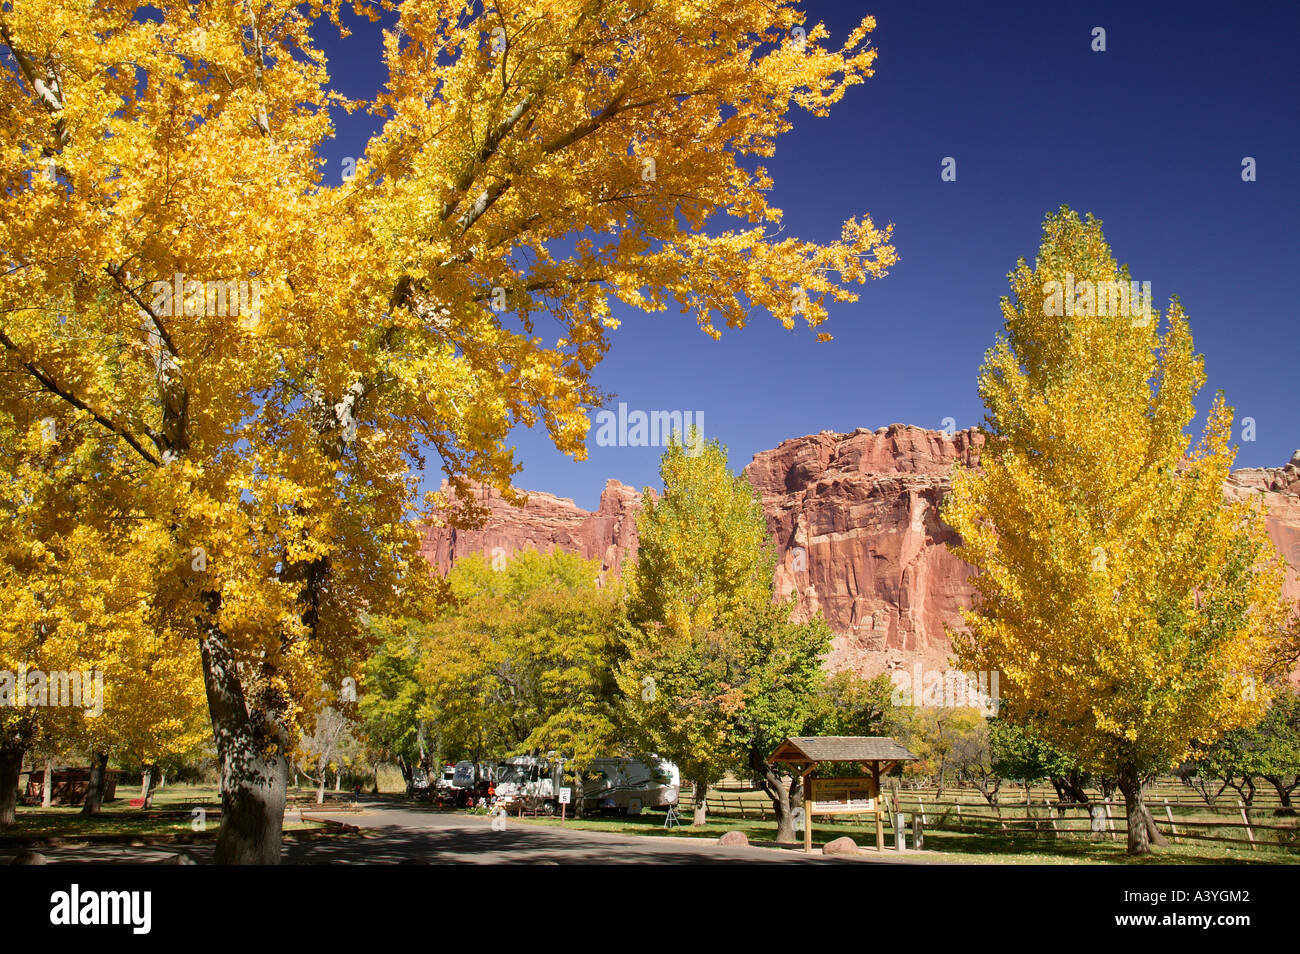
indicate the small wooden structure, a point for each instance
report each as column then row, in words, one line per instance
column 70, row 786
column 851, row 795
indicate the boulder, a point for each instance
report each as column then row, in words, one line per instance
column 841, row 846
column 29, row 858
column 733, row 839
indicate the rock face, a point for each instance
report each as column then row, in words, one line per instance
column 545, row 523
column 855, row 519
column 1280, row 487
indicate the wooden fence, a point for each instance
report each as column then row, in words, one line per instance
column 1179, row 819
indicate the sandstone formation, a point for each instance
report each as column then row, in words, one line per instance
column 546, row 523
column 855, row 519
column 1280, row 487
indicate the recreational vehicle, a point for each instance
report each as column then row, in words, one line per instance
column 629, row 785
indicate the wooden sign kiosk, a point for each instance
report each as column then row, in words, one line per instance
column 854, row 795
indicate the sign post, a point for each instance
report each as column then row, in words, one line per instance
column 837, row 796
column 565, row 795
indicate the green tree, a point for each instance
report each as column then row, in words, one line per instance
column 784, row 692
column 704, row 570
column 523, row 660
column 392, row 699
column 1267, row 751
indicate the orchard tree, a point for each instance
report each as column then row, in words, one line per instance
column 1125, row 602
column 1268, row 751
column 532, row 163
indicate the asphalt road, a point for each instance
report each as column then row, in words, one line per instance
column 396, row 834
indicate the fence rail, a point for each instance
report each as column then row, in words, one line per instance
column 1045, row 817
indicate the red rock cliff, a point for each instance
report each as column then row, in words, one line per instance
column 855, row 521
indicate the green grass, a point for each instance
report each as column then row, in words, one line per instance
column 945, row 847
column 171, row 815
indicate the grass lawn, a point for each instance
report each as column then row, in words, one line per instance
column 946, row 847
column 172, row 814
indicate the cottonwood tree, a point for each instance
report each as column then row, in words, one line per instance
column 95, row 660
column 1131, row 610
column 555, row 156
column 391, row 701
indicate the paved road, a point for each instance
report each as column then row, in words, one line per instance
column 397, row 834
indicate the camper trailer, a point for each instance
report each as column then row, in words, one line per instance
column 629, row 785
column 529, row 783
column 468, row 782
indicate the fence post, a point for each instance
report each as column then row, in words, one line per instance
column 921, row 801
column 1173, row 829
column 1051, row 816
column 1246, row 820
column 918, row 832
column 1110, row 826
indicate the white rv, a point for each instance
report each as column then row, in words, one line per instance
column 529, row 782
column 629, row 785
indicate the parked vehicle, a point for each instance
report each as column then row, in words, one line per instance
column 628, row 785
column 442, row 786
column 529, row 782
column 468, row 782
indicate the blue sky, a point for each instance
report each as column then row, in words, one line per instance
column 1149, row 136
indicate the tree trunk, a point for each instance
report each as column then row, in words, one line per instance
column 162, row 780
column 1142, row 831
column 777, row 792
column 579, row 802
column 251, row 745
column 320, row 788
column 146, row 788
column 11, row 766
column 699, row 795
column 1283, row 789
column 47, row 786
column 95, row 787
column 338, row 781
